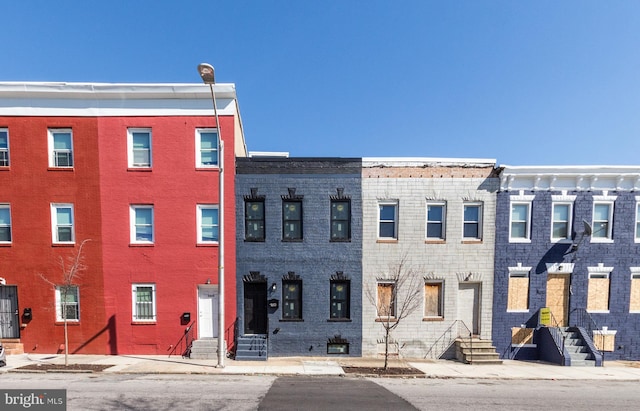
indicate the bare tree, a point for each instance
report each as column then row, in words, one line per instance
column 72, row 268
column 396, row 294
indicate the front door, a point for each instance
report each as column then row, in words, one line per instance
column 469, row 306
column 255, row 308
column 558, row 298
column 207, row 312
column 9, row 321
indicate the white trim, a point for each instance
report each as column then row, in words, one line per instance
column 132, row 223
column 130, row 153
column 603, row 200
column 521, row 200
column 58, row 298
column 134, row 288
column 8, row 148
column 199, row 209
column 7, row 206
column 480, row 206
column 396, row 222
column 368, row 162
column 569, row 204
column 199, row 132
column 599, row 270
column 559, row 268
column 636, row 237
column 51, row 148
column 519, row 271
column 443, row 234
column 54, row 223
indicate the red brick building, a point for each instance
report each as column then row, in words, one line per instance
column 133, row 169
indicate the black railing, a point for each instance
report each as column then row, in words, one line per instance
column 582, row 318
column 558, row 334
column 456, row 330
column 183, row 346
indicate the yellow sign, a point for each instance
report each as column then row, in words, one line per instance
column 545, row 316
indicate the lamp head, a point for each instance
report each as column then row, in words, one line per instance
column 207, row 73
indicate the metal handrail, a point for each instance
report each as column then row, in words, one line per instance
column 448, row 337
column 184, row 343
column 560, row 344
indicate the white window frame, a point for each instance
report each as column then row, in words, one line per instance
column 395, row 220
column 52, row 150
column 562, row 200
column 199, row 149
column 603, row 200
column 635, row 275
column 130, row 150
column 200, row 208
column 8, row 224
column 637, row 221
column 526, row 201
column 443, row 222
column 6, row 149
column 480, row 206
column 55, row 225
column 132, row 221
column 59, row 317
column 134, row 308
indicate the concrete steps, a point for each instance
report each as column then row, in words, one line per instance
column 575, row 346
column 12, row 346
column 204, row 349
column 476, row 351
column 251, row 348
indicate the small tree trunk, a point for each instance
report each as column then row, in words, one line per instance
column 386, row 347
column 66, row 343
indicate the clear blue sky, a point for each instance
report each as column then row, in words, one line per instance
column 524, row 82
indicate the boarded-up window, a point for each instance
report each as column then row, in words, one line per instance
column 433, row 299
column 634, row 304
column 521, row 335
column 598, row 297
column 386, row 300
column 518, row 298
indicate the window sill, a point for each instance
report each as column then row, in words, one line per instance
column 561, row 241
column 73, row 323
column 387, row 241
column 385, row 320
column 142, row 169
column 60, row 168
column 141, row 244
column 433, row 319
column 143, row 322
column 601, row 240
column 347, row 240
column 5, row 168
column 207, row 244
column 208, row 168
column 520, row 240
column 254, row 241
column 291, row 320
column 293, row 240
column 435, row 241
column 63, row 244
column 339, row 320
column 474, row 241
column 598, row 311
column 524, row 345
column 6, row 244
column 518, row 311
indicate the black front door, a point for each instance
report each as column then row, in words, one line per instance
column 9, row 321
column 255, row 308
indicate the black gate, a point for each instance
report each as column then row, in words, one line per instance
column 9, row 321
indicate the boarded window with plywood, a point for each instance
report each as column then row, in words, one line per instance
column 518, row 297
column 433, row 298
column 598, row 297
column 386, row 299
column 521, row 336
column 634, row 304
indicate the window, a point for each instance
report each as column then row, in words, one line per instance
column 598, row 294
column 472, row 224
column 561, row 217
column 4, row 147
column 388, row 221
column 634, row 300
column 339, row 294
column 520, row 221
column 386, row 303
column 62, row 223
column 436, row 213
column 208, row 225
column 340, row 220
column 5, row 223
column 291, row 220
column 60, row 148
column 207, row 148
column 67, row 303
column 518, row 293
column 433, row 299
column 602, row 219
column 139, row 143
column 144, row 302
column 141, row 224
column 637, row 236
column 292, row 300
column 254, row 220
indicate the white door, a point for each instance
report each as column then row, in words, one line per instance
column 207, row 312
column 469, row 306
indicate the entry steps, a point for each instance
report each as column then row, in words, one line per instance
column 575, row 346
column 204, row 349
column 252, row 348
column 12, row 346
column 476, row 351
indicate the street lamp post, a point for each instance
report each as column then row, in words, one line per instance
column 208, row 77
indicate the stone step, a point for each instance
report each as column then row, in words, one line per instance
column 583, row 363
column 12, row 346
column 204, row 349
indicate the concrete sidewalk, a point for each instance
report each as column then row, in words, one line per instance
column 155, row 364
